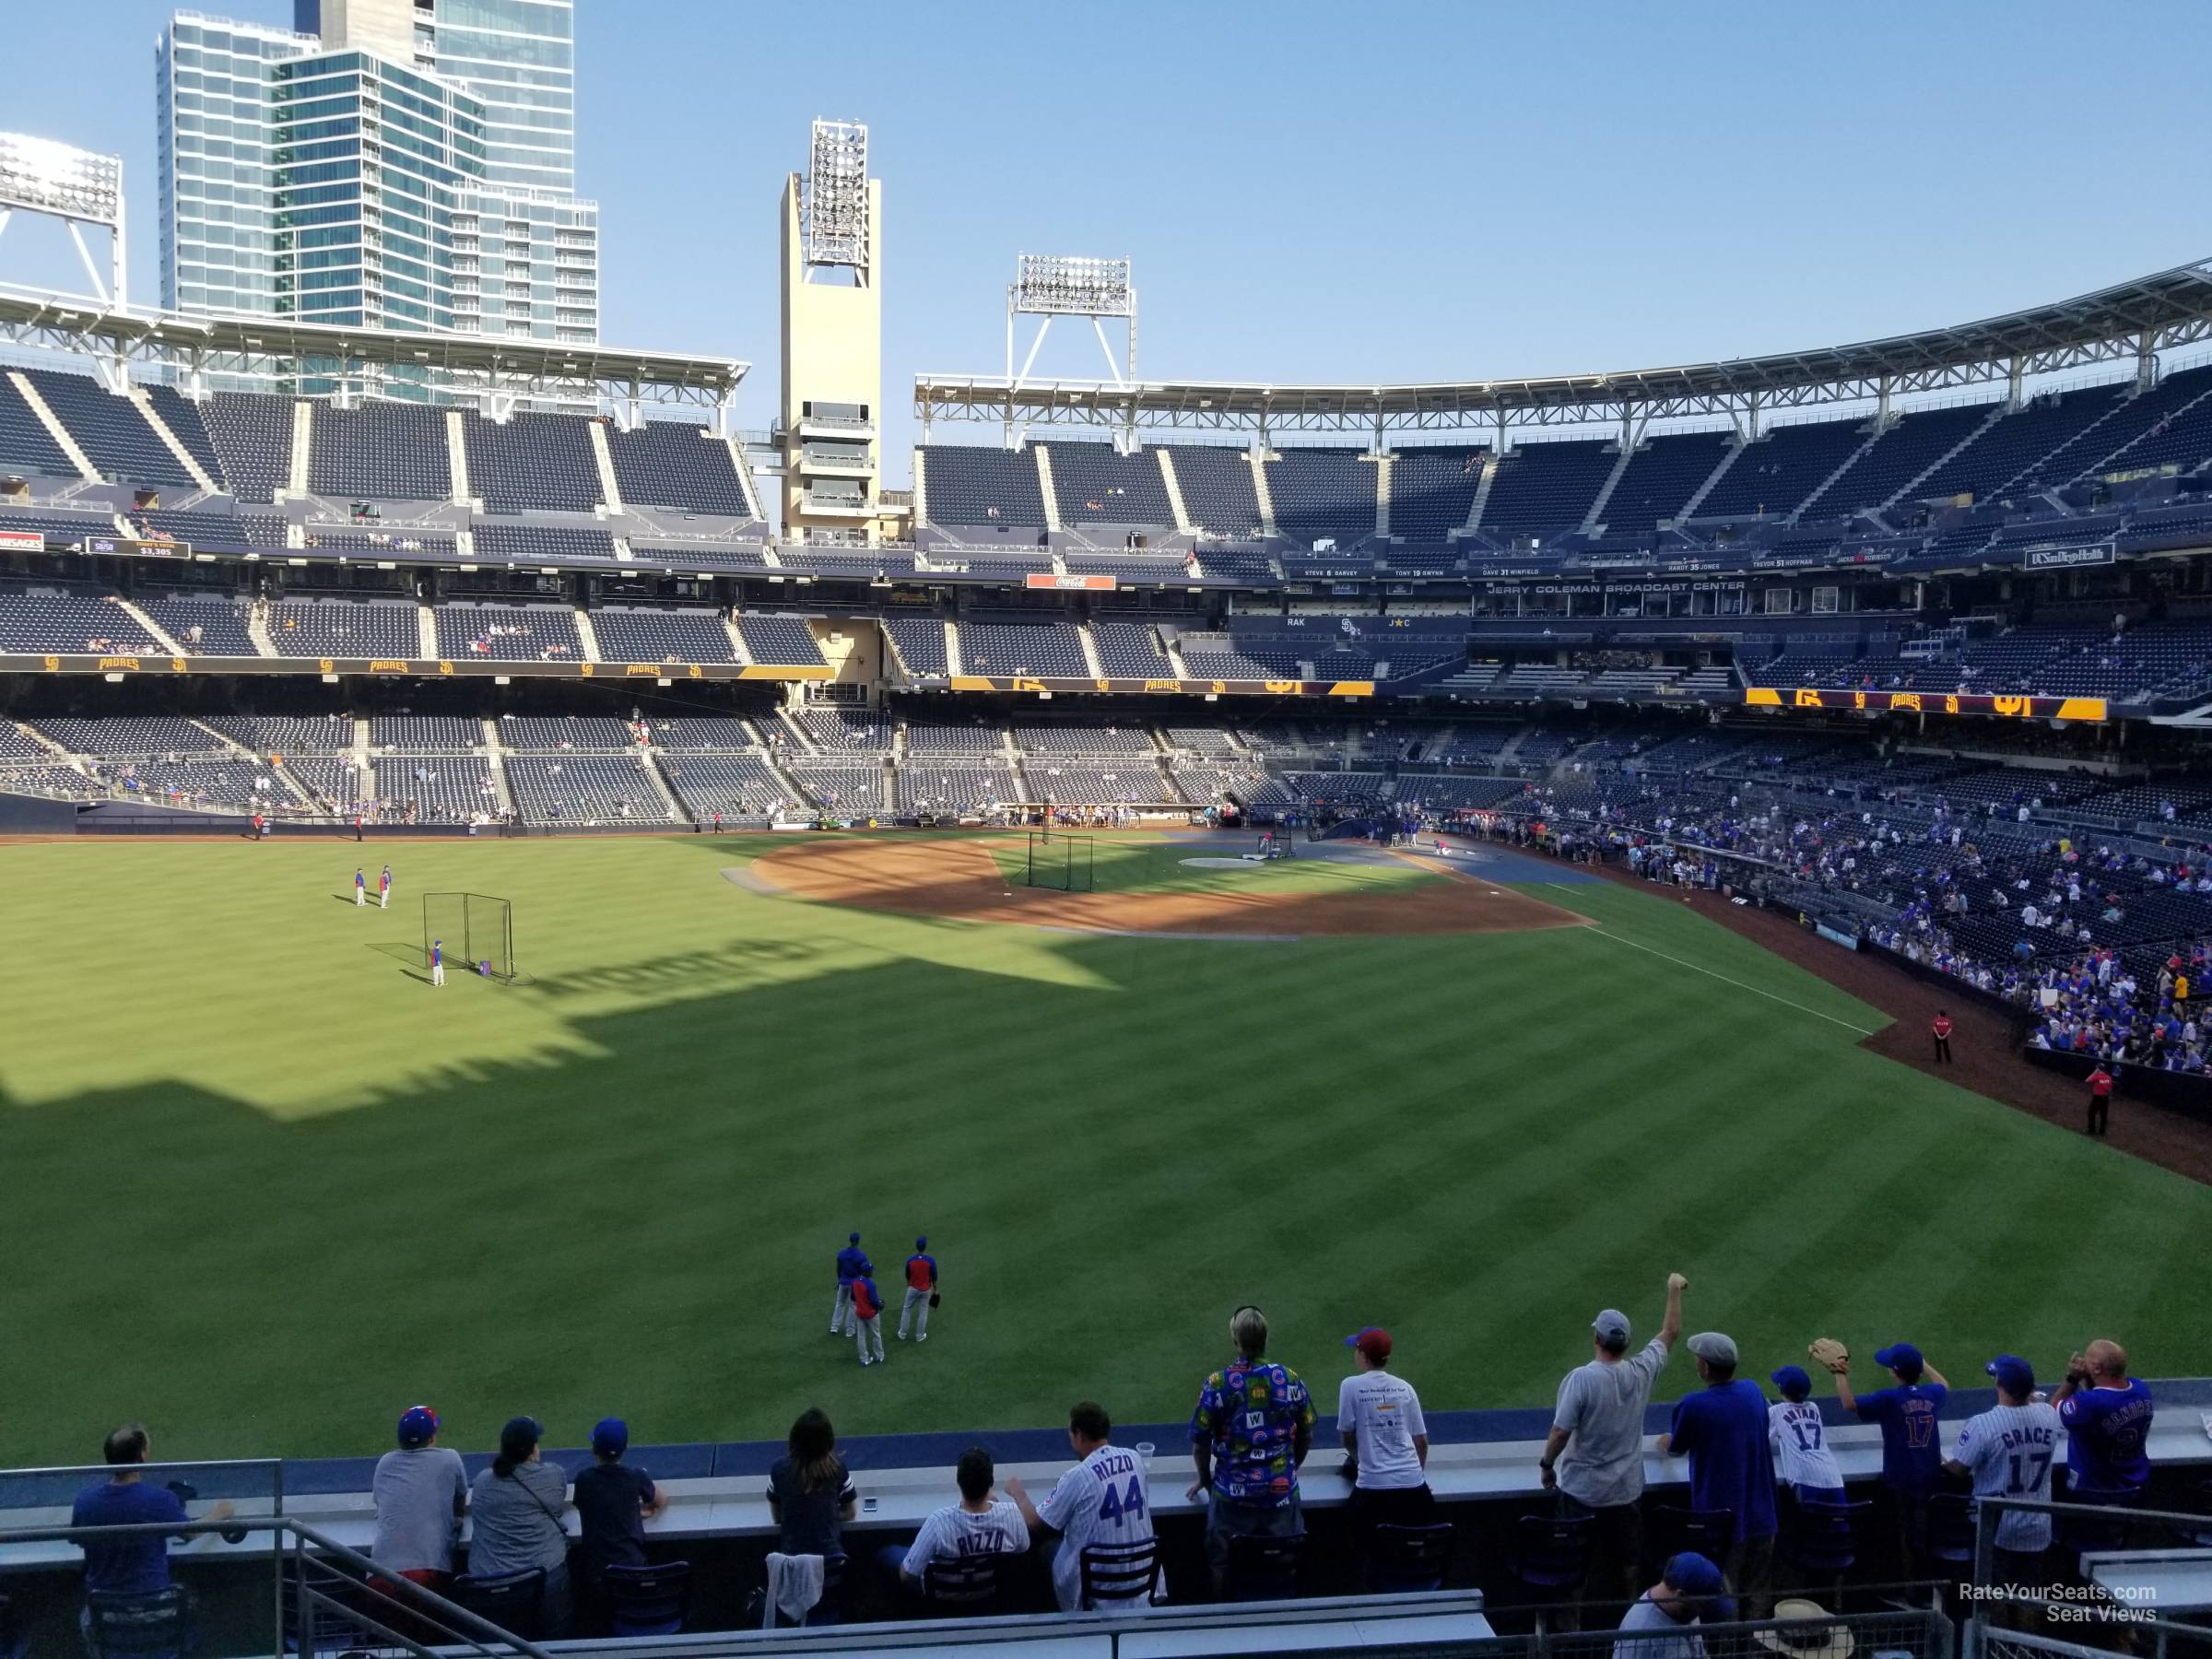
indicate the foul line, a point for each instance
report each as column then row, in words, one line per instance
column 1725, row 979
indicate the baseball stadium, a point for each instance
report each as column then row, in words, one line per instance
column 530, row 902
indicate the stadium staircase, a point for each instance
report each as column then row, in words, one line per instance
column 1596, row 515
column 456, row 461
column 174, row 444
column 1266, row 496
column 1090, row 651
column 745, row 479
column 154, row 630
column 1382, row 470
column 1850, row 461
column 54, row 428
column 426, row 632
column 610, row 490
column 794, row 734
column 1167, row 477
column 671, row 808
column 1482, row 493
column 793, row 794
column 587, row 637
column 1904, row 491
column 1168, row 643
column 1690, row 508
column 303, row 447
column 920, row 488
column 738, row 647
column 1051, row 496
column 954, row 663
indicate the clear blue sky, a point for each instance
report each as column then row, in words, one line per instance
column 1330, row 192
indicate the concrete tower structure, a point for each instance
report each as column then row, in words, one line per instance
column 833, row 223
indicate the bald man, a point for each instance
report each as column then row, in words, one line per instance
column 2107, row 1415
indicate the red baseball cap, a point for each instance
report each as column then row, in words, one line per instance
column 1374, row 1341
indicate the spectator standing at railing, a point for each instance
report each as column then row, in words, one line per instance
column 2007, row 1451
column 1253, row 1429
column 1722, row 1430
column 1379, row 1418
column 515, row 1506
column 2107, row 1414
column 137, row 1565
column 421, row 1492
column 1911, row 1449
column 1594, row 1456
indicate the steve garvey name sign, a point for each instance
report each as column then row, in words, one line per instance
column 1928, row 703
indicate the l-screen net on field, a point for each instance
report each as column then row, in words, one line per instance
column 473, row 929
column 1061, row 863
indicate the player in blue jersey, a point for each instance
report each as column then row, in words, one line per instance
column 437, row 961
column 384, row 889
column 360, row 888
column 852, row 1262
column 1911, row 1449
column 2107, row 1414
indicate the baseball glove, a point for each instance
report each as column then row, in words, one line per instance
column 1828, row 1352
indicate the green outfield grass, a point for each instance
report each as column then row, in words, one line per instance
column 265, row 1187
column 1146, row 864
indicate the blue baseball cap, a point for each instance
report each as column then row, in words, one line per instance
column 1900, row 1357
column 921, row 1242
column 1693, row 1575
column 610, row 1437
column 416, row 1424
column 1792, row 1381
column 852, row 1237
column 2014, row 1374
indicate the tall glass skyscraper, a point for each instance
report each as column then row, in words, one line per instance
column 406, row 164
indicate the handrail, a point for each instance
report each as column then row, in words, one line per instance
column 457, row 1620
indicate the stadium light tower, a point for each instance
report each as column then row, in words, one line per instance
column 1060, row 285
column 832, row 341
column 79, row 187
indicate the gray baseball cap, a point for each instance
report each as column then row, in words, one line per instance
column 1612, row 1325
column 1713, row 1347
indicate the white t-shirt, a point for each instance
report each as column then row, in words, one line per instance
column 952, row 1531
column 2009, row 1449
column 1384, row 1413
column 1800, row 1442
column 1103, row 1499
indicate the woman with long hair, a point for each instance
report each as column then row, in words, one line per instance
column 811, row 1492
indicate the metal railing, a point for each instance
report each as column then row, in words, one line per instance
column 324, row 1598
column 2111, row 1611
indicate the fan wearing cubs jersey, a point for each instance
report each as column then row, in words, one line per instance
column 1104, row 1500
column 1801, row 1460
column 2008, row 1450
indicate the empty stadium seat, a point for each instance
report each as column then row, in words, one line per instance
column 531, row 461
column 667, row 464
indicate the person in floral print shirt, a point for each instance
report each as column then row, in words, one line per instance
column 1253, row 1427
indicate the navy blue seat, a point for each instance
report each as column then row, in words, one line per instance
column 1265, row 1568
column 513, row 1601
column 966, row 1583
column 647, row 1601
column 1822, row 1539
column 155, row 1624
column 1409, row 1558
column 1119, row 1573
column 1552, row 1552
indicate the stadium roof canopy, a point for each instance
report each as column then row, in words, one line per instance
column 276, row 345
column 2134, row 319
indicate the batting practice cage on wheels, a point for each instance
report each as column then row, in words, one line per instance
column 473, row 928
column 1060, row 861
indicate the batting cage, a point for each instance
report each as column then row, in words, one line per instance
column 1273, row 844
column 473, row 929
column 1060, row 861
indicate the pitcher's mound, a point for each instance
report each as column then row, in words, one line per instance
column 960, row 878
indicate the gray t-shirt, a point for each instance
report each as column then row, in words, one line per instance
column 1601, row 1407
column 515, row 1522
column 415, row 1493
column 1648, row 1632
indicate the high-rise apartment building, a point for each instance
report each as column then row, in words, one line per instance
column 406, row 164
